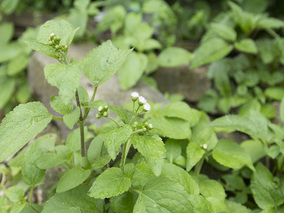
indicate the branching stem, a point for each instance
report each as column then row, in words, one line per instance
column 81, row 124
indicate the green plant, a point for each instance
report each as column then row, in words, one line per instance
column 251, row 77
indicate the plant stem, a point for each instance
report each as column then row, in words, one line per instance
column 113, row 121
column 92, row 99
column 81, row 124
column 34, row 209
column 57, row 118
column 126, row 148
column 199, row 166
column 31, row 195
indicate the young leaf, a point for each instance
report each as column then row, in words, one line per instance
column 152, row 148
column 49, row 160
column 73, row 201
column 65, row 77
column 132, row 70
column 108, row 59
column 265, row 193
column 71, row 118
column 209, row 51
column 21, row 125
column 254, row 148
column 114, row 138
column 42, row 48
column 173, row 57
column 7, row 87
column 95, row 148
column 111, row 182
column 212, row 188
column 15, row 193
column 173, row 149
column 72, row 178
column 224, row 31
column 125, row 115
column 59, row 106
column 194, row 154
column 246, row 45
column 230, row 154
column 275, row 93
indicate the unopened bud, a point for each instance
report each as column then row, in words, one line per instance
column 106, row 107
column 150, row 126
column 98, row 115
column 144, row 129
column 105, row 114
column 100, row 109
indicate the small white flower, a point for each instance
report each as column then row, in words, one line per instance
column 204, row 146
column 52, row 35
column 100, row 108
column 147, row 107
column 134, row 94
column 142, row 100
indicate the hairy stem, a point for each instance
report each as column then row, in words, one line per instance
column 126, row 148
column 81, row 124
column 113, row 121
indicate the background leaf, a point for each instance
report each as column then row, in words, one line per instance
column 20, row 126
column 173, row 57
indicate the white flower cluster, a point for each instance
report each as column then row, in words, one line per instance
column 141, row 101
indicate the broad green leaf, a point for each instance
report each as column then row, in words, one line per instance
column 270, row 23
column 150, row 44
column 181, row 110
column 95, row 148
column 42, row 48
column 71, row 118
column 266, row 50
column 217, row 204
column 101, row 161
column 111, row 182
column 254, row 148
column 123, row 203
column 132, row 70
column 96, row 104
column 18, row 208
column 59, row 106
column 73, row 139
column 15, row 193
column 273, row 151
column 20, row 126
column 171, row 127
column 8, row 6
column 246, row 45
column 73, row 201
column 18, row 64
column 152, row 148
column 83, row 96
column 114, row 138
column 173, row 57
column 275, row 93
column 143, row 172
column 265, row 193
column 6, row 32
column 10, row 51
column 49, row 160
column 23, row 93
column 212, row 188
column 236, row 207
column 234, row 182
column 65, row 77
column 194, row 154
column 224, row 31
column 173, row 149
column 208, row 102
column 268, row 110
column 230, row 154
column 209, row 51
column 103, row 62
column 71, row 179
column 7, row 87
column 125, row 115
column 182, row 177
column 161, row 194
column 60, row 28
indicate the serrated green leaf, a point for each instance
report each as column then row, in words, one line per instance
column 209, row 51
column 182, row 177
column 71, row 179
column 143, row 172
column 65, row 77
column 59, row 106
column 194, row 154
column 21, row 125
column 246, row 45
column 42, row 48
column 236, row 207
column 254, row 148
column 111, row 182
column 15, row 193
column 71, row 118
column 265, row 193
column 230, row 154
column 234, row 182
column 171, row 127
column 224, row 31
column 152, row 148
column 275, row 93
column 212, row 188
column 132, row 70
column 114, row 138
column 7, row 87
column 173, row 57
column 123, row 203
column 173, row 149
column 125, row 115
column 49, row 160
column 73, row 201
column 181, row 110
column 60, row 28
column 108, row 59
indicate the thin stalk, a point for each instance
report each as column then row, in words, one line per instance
column 57, row 118
column 125, row 151
column 31, row 195
column 113, row 121
column 34, row 209
column 81, row 124
column 199, row 166
column 92, row 99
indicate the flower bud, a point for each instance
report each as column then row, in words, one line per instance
column 144, row 129
column 98, row 115
column 150, row 126
column 134, row 96
column 141, row 100
column 105, row 114
column 100, row 109
column 106, row 107
column 146, row 107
